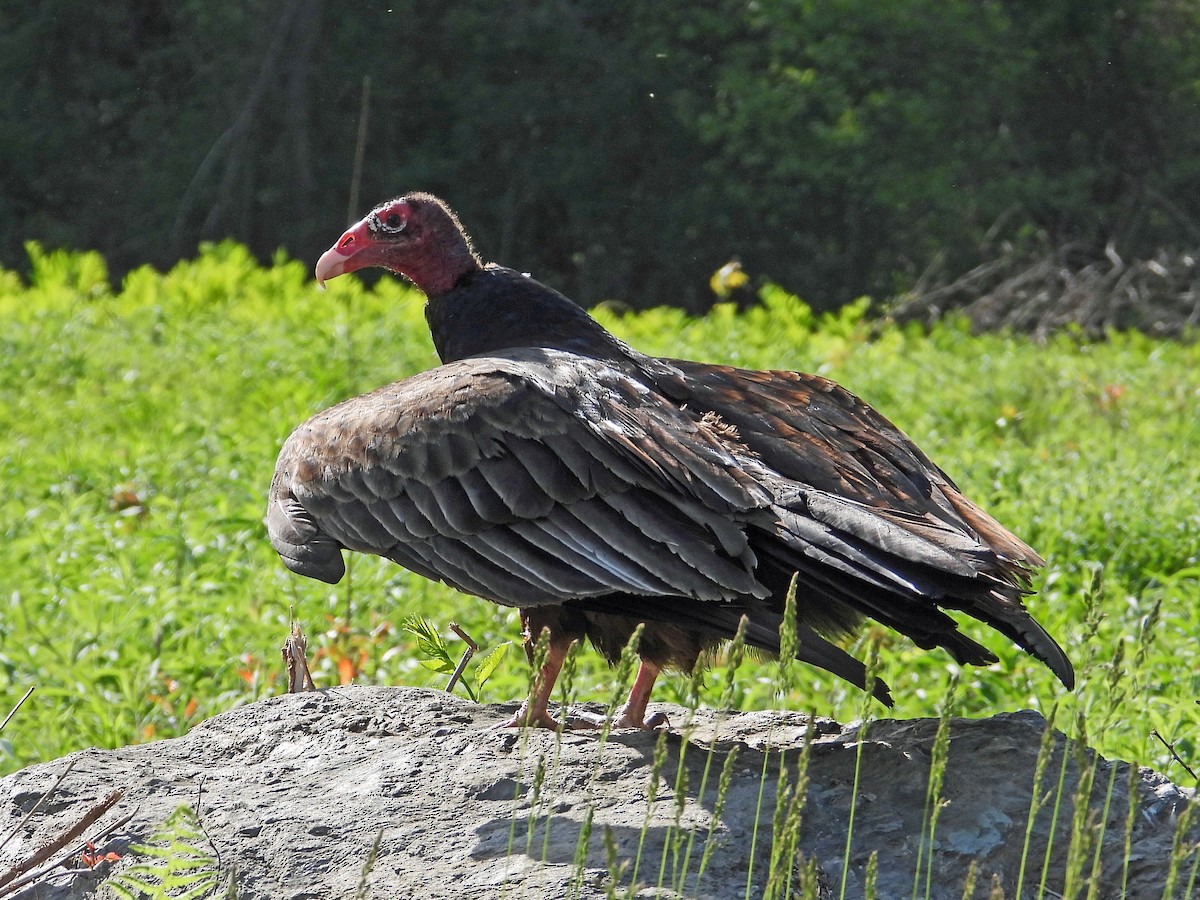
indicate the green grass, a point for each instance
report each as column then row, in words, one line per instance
column 139, row 428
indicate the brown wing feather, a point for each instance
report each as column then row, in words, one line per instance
column 817, row 433
column 539, row 477
column 501, row 475
column 877, row 525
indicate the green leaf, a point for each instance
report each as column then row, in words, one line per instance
column 435, row 665
column 182, row 869
column 489, row 663
column 429, row 644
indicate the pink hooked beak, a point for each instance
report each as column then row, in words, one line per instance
column 355, row 249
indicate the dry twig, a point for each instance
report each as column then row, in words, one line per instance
column 1170, row 745
column 56, row 844
column 466, row 657
column 42, row 799
column 48, row 869
column 295, row 660
column 13, row 711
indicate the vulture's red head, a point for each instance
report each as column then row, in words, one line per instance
column 415, row 235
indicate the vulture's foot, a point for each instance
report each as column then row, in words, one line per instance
column 541, row 718
column 634, row 719
column 633, row 713
column 538, row 718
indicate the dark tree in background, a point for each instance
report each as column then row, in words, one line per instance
column 619, row 150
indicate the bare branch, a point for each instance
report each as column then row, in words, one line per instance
column 42, row 799
column 13, row 712
column 231, row 138
column 49, row 849
column 1170, row 745
column 472, row 647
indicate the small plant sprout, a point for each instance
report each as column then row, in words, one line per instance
column 179, row 866
column 437, row 656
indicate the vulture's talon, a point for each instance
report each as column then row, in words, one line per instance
column 659, row 718
column 651, row 724
column 534, row 721
column 521, row 718
column 543, row 719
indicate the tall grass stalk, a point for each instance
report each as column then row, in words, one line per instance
column 1191, row 885
column 865, row 712
column 939, row 759
column 536, row 798
column 1117, row 690
column 1181, row 848
column 1037, row 799
column 581, row 850
column 871, row 878
column 364, row 880
column 969, row 884
column 758, row 807
column 623, row 678
column 788, row 640
column 1057, row 810
column 656, row 767
column 790, row 799
column 537, row 659
column 616, row 866
column 779, row 868
column 810, row 879
column 671, row 839
column 566, row 689
column 1130, row 821
column 858, row 754
column 718, row 807
column 1095, row 877
column 1083, row 825
column 733, row 662
column 682, row 850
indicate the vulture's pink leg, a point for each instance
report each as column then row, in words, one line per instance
column 633, row 714
column 536, row 710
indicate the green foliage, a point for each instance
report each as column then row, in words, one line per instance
column 430, row 645
column 139, row 429
column 181, row 866
column 620, row 150
column 437, row 656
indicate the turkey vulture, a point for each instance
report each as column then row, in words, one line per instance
column 549, row 466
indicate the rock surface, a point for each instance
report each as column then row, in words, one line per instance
column 293, row 791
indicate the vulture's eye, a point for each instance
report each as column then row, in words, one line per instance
column 392, row 220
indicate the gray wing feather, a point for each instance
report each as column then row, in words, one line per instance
column 299, row 541
column 529, row 496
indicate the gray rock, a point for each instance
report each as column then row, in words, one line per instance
column 293, row 791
